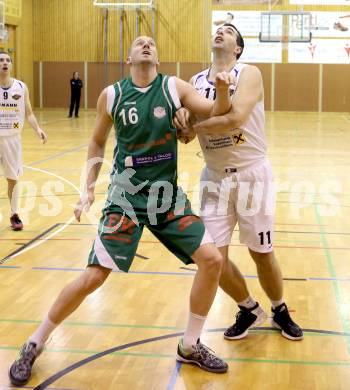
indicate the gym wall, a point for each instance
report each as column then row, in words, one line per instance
column 56, row 37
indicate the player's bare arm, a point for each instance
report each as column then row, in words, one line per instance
column 249, row 92
column 32, row 119
column 95, row 155
column 184, row 119
column 197, row 104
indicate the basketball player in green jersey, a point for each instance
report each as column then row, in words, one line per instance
column 143, row 191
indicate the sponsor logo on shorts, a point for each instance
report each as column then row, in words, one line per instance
column 159, row 112
column 120, row 257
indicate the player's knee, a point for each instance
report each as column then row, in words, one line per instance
column 262, row 259
column 213, row 262
column 93, row 279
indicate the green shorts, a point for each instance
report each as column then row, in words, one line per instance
column 118, row 236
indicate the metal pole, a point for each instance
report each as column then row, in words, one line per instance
column 105, row 43
column 153, row 21
column 138, row 17
column 121, row 44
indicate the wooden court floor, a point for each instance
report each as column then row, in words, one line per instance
column 140, row 315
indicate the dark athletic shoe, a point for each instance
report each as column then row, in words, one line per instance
column 201, row 355
column 245, row 319
column 16, row 223
column 21, row 369
column 282, row 320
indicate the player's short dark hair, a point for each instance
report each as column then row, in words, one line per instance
column 5, row 52
column 239, row 40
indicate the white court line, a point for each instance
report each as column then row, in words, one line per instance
column 53, row 174
column 44, row 239
column 36, row 244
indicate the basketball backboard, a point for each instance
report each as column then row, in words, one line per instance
column 285, row 26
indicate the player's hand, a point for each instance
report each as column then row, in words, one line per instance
column 186, row 135
column 185, row 132
column 41, row 134
column 84, row 204
column 223, row 80
column 182, row 118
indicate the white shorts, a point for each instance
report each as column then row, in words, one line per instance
column 246, row 197
column 11, row 156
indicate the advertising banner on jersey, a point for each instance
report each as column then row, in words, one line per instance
column 248, row 23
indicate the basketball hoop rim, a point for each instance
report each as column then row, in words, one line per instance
column 121, row 5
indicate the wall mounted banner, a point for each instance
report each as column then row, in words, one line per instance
column 248, row 2
column 330, row 24
column 320, row 2
column 320, row 51
column 266, row 52
column 248, row 23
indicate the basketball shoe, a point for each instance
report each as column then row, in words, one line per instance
column 201, row 355
column 245, row 319
column 282, row 320
column 21, row 369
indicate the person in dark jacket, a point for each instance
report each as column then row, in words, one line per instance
column 76, row 85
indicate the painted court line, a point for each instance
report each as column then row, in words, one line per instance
column 31, row 387
column 68, row 151
column 174, row 375
column 341, row 303
column 98, row 355
column 119, row 272
column 117, row 351
column 191, row 273
column 17, row 251
column 173, row 273
column 259, row 329
column 87, row 360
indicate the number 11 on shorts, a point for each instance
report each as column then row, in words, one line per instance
column 268, row 235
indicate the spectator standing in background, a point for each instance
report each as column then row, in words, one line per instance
column 76, row 85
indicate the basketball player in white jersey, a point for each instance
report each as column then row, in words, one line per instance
column 237, row 184
column 14, row 108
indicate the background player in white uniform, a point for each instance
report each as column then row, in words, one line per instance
column 14, row 108
column 237, row 184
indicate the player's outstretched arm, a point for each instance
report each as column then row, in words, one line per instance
column 95, row 155
column 198, row 105
column 249, row 92
column 31, row 117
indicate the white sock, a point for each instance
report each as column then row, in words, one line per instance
column 248, row 303
column 193, row 331
column 43, row 332
column 276, row 303
column 15, row 200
